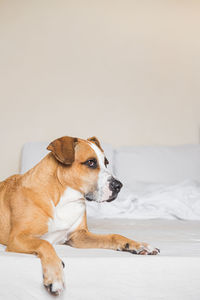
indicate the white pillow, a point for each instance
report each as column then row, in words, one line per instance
column 157, row 164
column 33, row 152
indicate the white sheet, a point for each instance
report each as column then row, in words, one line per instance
column 179, row 201
column 105, row 274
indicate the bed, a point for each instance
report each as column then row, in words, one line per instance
column 106, row 274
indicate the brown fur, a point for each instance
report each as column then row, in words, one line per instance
column 63, row 149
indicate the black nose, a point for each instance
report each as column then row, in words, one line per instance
column 115, row 185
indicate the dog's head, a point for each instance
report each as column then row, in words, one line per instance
column 83, row 166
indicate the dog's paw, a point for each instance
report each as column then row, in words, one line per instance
column 54, row 278
column 146, row 249
column 140, row 249
column 55, row 288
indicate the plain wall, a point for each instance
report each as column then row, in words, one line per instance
column 126, row 71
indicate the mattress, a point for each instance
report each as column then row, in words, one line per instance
column 106, row 274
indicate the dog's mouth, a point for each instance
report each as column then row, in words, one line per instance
column 112, row 198
column 91, row 197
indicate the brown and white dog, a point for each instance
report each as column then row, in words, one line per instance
column 46, row 206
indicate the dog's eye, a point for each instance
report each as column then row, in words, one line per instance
column 106, row 162
column 91, row 163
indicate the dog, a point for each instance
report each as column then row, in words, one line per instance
column 46, row 206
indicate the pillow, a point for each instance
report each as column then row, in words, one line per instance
column 33, row 152
column 157, row 164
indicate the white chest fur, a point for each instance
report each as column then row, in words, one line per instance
column 68, row 214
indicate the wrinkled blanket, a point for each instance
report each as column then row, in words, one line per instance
column 147, row 201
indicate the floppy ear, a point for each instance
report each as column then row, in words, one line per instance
column 63, row 149
column 96, row 141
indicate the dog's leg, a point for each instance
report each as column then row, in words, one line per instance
column 51, row 264
column 85, row 239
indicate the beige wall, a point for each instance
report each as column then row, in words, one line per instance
column 126, row 71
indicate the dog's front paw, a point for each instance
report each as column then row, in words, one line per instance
column 54, row 278
column 140, row 248
column 55, row 288
column 146, row 249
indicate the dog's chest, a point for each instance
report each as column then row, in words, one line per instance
column 68, row 215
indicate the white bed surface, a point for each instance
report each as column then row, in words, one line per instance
column 106, row 274
column 108, row 278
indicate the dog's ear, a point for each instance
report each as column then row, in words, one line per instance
column 96, row 141
column 64, row 149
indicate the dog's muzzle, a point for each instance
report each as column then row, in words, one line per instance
column 113, row 188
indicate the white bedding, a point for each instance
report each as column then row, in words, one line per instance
column 105, row 274
column 147, row 201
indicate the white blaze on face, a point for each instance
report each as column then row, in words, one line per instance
column 103, row 192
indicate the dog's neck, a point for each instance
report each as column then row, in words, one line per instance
column 46, row 176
